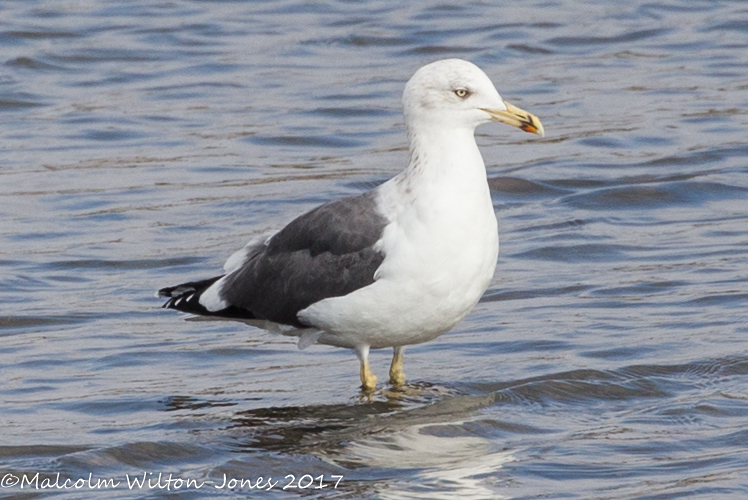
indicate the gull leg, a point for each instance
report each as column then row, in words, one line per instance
column 368, row 379
column 397, row 375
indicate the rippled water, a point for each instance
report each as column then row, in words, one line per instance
column 143, row 142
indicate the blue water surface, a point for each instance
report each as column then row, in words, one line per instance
column 143, row 142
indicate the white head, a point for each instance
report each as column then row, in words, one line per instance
column 457, row 93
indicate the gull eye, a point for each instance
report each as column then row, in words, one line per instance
column 462, row 93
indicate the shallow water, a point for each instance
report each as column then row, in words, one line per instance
column 144, row 142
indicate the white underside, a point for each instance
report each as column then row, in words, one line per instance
column 440, row 251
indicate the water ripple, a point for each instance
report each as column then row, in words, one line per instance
column 143, row 142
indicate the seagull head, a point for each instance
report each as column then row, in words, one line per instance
column 457, row 93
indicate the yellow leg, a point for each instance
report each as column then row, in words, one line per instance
column 397, row 375
column 368, row 379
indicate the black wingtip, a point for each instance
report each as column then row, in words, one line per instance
column 186, row 298
column 189, row 303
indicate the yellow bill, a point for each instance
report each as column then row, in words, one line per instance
column 517, row 117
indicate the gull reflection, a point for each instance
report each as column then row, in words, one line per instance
column 433, row 461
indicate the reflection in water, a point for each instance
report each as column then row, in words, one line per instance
column 426, row 442
column 426, row 449
column 441, row 466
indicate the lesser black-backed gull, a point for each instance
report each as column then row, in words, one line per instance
column 398, row 265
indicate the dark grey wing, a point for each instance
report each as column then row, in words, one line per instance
column 327, row 252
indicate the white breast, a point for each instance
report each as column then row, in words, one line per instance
column 440, row 251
